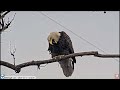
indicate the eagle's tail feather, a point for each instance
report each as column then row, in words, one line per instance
column 67, row 67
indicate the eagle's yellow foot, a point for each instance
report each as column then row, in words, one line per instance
column 58, row 57
column 55, row 57
column 61, row 56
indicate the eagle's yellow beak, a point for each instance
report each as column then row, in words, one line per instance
column 51, row 42
column 56, row 42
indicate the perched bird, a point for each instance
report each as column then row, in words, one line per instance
column 61, row 44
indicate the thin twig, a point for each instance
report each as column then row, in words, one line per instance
column 13, row 53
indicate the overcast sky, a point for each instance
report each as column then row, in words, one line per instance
column 29, row 31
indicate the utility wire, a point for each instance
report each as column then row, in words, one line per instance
column 73, row 33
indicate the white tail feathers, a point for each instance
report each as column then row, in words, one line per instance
column 67, row 67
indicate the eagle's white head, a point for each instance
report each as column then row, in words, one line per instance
column 54, row 36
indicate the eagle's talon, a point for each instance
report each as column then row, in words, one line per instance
column 61, row 56
column 55, row 57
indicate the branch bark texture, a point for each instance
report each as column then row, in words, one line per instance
column 17, row 68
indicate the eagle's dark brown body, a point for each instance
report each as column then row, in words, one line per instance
column 63, row 47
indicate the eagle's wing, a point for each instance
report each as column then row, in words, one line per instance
column 68, row 64
column 69, row 44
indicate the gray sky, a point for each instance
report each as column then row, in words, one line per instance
column 29, row 30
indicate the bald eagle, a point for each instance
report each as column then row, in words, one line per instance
column 61, row 44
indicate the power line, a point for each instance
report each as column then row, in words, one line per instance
column 74, row 33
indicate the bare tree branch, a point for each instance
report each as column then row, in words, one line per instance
column 17, row 68
column 3, row 15
column 3, row 25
